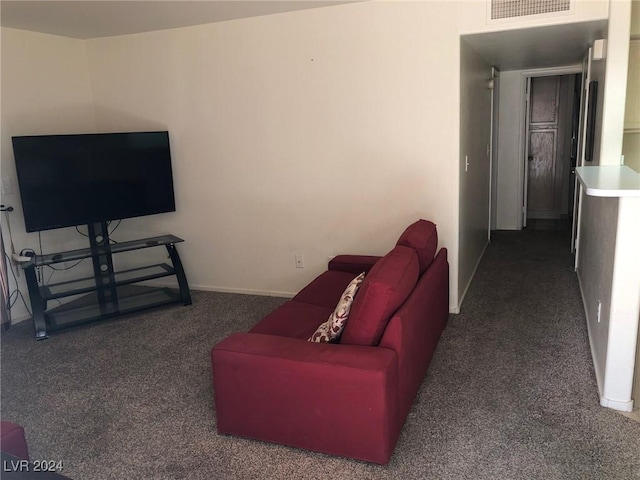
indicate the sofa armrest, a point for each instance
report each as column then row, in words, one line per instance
column 414, row 330
column 337, row 399
column 353, row 263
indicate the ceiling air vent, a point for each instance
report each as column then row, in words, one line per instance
column 507, row 9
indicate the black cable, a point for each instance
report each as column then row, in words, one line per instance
column 83, row 234
column 57, row 269
column 17, row 290
column 53, row 270
column 108, row 224
column 114, row 229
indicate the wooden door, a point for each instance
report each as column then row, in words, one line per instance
column 544, row 175
column 542, row 166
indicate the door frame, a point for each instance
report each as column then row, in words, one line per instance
column 582, row 138
column 527, row 138
column 523, row 141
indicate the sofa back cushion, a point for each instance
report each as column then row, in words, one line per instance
column 421, row 236
column 384, row 289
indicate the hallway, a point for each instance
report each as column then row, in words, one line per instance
column 520, row 358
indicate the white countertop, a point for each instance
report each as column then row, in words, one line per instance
column 609, row 181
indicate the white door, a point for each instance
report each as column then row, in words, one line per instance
column 584, row 108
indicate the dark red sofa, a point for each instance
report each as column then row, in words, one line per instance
column 12, row 440
column 349, row 398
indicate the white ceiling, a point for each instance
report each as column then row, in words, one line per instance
column 508, row 50
column 541, row 47
column 93, row 19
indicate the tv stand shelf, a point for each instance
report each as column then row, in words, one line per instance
column 81, row 253
column 85, row 285
column 107, row 293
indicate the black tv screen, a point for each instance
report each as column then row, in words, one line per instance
column 68, row 180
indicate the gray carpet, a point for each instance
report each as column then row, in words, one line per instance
column 510, row 393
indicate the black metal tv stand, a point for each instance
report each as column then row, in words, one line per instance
column 108, row 293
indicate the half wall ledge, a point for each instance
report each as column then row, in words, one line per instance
column 609, row 181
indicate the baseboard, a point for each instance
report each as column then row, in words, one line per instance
column 244, row 291
column 209, row 288
column 617, row 405
column 599, row 381
column 626, row 406
column 473, row 274
column 19, row 319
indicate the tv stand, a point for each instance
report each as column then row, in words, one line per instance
column 108, row 293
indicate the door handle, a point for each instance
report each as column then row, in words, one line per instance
column 530, row 158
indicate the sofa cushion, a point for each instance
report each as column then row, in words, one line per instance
column 385, row 288
column 422, row 236
column 326, row 289
column 330, row 330
column 293, row 319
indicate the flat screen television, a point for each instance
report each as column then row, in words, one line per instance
column 70, row 180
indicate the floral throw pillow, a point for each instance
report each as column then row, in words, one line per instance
column 330, row 330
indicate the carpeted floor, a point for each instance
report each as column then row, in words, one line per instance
column 510, row 393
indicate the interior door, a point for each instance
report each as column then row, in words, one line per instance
column 584, row 108
column 542, row 165
column 493, row 153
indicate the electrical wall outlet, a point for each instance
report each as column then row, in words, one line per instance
column 299, row 260
column 7, row 186
column 20, row 258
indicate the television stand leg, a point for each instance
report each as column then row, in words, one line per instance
column 38, row 306
column 181, row 277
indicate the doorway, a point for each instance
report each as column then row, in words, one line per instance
column 551, row 138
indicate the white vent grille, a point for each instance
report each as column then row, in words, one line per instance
column 522, row 8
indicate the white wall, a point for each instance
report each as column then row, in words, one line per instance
column 609, row 233
column 631, row 150
column 615, row 88
column 475, row 131
column 45, row 90
column 316, row 132
column 625, row 308
column 598, row 74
